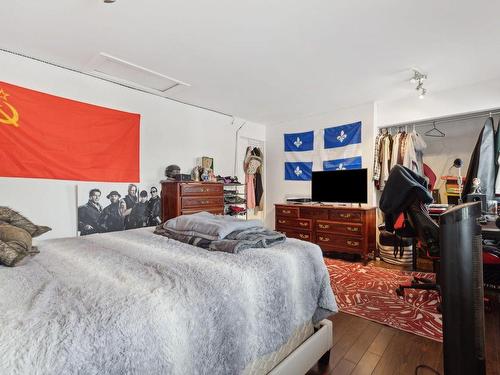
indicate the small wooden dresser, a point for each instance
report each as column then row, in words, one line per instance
column 334, row 228
column 183, row 197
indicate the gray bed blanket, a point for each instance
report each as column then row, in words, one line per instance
column 137, row 303
column 234, row 242
column 207, row 225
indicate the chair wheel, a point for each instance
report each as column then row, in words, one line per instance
column 400, row 292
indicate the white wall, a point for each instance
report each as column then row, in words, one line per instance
column 171, row 133
column 277, row 187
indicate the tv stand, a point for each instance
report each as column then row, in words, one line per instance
column 335, row 228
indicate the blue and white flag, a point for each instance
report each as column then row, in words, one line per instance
column 341, row 136
column 341, row 164
column 342, row 147
column 299, row 142
column 298, row 171
column 299, row 150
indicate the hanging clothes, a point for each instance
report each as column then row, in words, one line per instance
column 251, row 165
column 376, row 158
column 259, row 187
column 396, row 149
column 386, row 146
column 420, row 146
column 482, row 163
column 497, row 158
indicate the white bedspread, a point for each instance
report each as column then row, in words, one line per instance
column 137, row 303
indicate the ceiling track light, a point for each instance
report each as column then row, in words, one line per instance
column 109, row 1
column 419, row 79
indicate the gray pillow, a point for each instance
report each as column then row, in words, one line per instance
column 15, row 244
column 14, row 218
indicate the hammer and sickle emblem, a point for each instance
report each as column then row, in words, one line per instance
column 7, row 119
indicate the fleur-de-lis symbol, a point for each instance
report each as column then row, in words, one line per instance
column 342, row 136
column 341, row 167
column 297, row 142
column 297, row 171
column 5, row 118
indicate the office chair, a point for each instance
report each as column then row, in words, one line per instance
column 403, row 204
column 426, row 232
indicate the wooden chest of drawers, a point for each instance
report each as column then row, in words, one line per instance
column 180, row 198
column 333, row 228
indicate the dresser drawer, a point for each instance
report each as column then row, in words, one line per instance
column 294, row 223
column 345, row 215
column 301, row 235
column 201, row 189
column 339, row 242
column 287, row 211
column 188, row 202
column 212, row 210
column 350, row 229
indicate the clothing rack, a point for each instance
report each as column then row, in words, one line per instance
column 445, row 119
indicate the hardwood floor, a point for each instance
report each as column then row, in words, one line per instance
column 363, row 347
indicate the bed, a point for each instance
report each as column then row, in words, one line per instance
column 134, row 303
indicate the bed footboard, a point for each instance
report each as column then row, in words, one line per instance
column 314, row 349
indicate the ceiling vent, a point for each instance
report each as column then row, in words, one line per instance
column 124, row 72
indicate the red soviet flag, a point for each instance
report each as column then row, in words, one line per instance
column 46, row 136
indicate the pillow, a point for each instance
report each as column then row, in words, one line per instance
column 14, row 218
column 15, row 244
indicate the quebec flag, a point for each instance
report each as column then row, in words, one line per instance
column 342, row 147
column 340, row 136
column 299, row 142
column 301, row 171
column 341, row 164
column 299, row 149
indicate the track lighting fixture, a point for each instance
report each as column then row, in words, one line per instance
column 419, row 79
column 109, row 1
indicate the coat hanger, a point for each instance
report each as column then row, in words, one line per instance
column 434, row 132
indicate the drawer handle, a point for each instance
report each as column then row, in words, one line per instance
column 282, row 221
column 286, row 211
column 353, row 229
column 321, row 238
column 345, row 216
column 302, row 224
column 304, row 236
column 205, row 202
column 324, row 226
column 204, row 190
column 353, row 243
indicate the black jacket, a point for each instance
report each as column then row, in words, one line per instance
column 154, row 207
column 402, row 187
column 138, row 216
column 88, row 214
column 111, row 220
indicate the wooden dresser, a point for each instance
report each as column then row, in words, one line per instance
column 334, row 228
column 183, row 197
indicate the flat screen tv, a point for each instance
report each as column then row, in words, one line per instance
column 344, row 186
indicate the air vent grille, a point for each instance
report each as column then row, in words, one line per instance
column 123, row 71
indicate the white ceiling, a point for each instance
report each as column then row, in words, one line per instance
column 270, row 60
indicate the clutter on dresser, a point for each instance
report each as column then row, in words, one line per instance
column 204, row 170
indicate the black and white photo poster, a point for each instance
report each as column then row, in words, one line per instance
column 115, row 207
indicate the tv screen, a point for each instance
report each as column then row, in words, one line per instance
column 345, row 186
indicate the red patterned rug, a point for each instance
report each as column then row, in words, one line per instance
column 369, row 292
